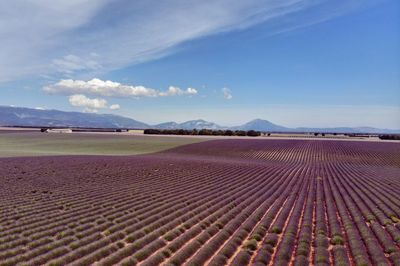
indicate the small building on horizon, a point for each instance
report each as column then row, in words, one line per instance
column 58, row 130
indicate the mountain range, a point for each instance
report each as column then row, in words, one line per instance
column 19, row 116
column 28, row 117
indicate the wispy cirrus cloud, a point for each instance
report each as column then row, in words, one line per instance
column 71, row 64
column 75, row 37
column 107, row 88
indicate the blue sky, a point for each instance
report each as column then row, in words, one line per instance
column 293, row 62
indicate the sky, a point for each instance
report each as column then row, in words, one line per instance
column 313, row 63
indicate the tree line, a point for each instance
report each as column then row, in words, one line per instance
column 389, row 136
column 203, row 132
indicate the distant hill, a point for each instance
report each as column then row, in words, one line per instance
column 192, row 124
column 199, row 124
column 262, row 125
column 166, row 125
column 370, row 130
column 265, row 125
column 19, row 116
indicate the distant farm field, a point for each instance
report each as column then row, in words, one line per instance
column 218, row 202
column 38, row 144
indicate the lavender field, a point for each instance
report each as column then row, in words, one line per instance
column 219, row 202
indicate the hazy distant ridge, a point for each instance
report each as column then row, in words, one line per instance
column 19, row 116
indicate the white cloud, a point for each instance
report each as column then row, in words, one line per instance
column 80, row 100
column 111, row 89
column 70, row 64
column 175, row 91
column 99, row 87
column 89, row 110
column 191, row 91
column 115, row 107
column 91, row 105
column 47, row 37
column 227, row 93
column 32, row 33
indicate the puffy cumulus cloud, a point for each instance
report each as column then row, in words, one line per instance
column 91, row 105
column 191, row 91
column 99, row 87
column 175, row 91
column 115, row 107
column 81, row 100
column 111, row 89
column 227, row 93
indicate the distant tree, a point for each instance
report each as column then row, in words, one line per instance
column 253, row 133
column 390, row 137
column 152, row 131
column 323, row 134
column 228, row 133
column 315, row 134
column 171, row 131
column 240, row 133
column 269, row 134
column 205, row 132
column 217, row 132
